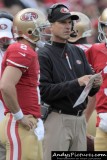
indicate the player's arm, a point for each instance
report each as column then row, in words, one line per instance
column 90, row 107
column 9, row 80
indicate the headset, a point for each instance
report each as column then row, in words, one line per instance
column 50, row 10
column 7, row 15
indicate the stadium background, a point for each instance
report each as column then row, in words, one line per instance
column 92, row 8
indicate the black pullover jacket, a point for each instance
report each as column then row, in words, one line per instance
column 60, row 67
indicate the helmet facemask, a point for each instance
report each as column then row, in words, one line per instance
column 40, row 30
column 102, row 35
column 74, row 32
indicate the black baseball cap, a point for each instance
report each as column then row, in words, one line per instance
column 60, row 13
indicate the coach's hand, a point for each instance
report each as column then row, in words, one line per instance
column 98, row 81
column 83, row 81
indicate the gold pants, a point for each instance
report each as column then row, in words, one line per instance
column 100, row 140
column 91, row 128
column 20, row 143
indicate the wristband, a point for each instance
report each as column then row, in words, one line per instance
column 19, row 115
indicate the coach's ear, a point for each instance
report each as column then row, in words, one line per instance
column 51, row 26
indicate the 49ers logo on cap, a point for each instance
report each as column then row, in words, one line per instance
column 64, row 10
column 29, row 16
column 3, row 26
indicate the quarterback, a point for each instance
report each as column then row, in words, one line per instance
column 22, row 129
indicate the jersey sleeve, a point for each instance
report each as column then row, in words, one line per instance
column 89, row 55
column 19, row 58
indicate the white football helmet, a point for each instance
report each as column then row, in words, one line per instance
column 102, row 21
column 82, row 27
column 30, row 24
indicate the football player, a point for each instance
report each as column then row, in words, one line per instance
column 97, row 57
column 22, row 129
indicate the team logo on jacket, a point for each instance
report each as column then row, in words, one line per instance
column 29, row 16
column 78, row 62
column 64, row 10
column 3, row 26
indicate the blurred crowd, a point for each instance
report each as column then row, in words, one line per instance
column 92, row 8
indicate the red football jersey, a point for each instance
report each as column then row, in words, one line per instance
column 97, row 57
column 25, row 58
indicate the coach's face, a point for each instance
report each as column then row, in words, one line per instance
column 61, row 30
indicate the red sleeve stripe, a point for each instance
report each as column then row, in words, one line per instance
column 16, row 64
